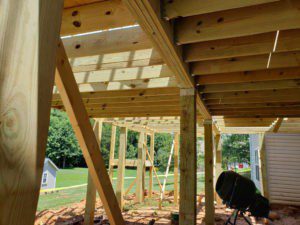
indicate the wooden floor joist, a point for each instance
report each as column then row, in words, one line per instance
column 79, row 119
column 27, row 66
column 280, row 15
column 94, row 17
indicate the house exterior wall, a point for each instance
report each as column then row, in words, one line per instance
column 254, row 159
column 283, row 167
column 51, row 177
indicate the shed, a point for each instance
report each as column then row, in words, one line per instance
column 49, row 174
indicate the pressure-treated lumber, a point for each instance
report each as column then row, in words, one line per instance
column 121, row 40
column 287, row 40
column 79, row 119
column 112, row 151
column 176, row 162
column 90, row 203
column 209, row 171
column 130, row 187
column 148, row 14
column 249, row 76
column 140, row 169
column 73, row 3
column 251, row 86
column 152, row 142
column 179, row 8
column 277, row 125
column 28, row 40
column 121, row 166
column 247, row 63
column 218, row 166
column 188, row 165
column 263, row 166
column 281, row 15
column 94, row 17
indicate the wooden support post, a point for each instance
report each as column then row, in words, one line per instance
column 140, row 169
column 79, row 119
column 263, row 167
column 176, row 151
column 209, row 187
column 29, row 34
column 188, row 156
column 152, row 139
column 218, row 167
column 112, row 152
column 90, row 202
column 121, row 166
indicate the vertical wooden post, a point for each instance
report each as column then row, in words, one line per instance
column 188, row 165
column 176, row 150
column 263, row 167
column 90, row 202
column 70, row 95
column 112, row 152
column 29, row 34
column 121, row 166
column 209, row 188
column 140, row 169
column 218, row 166
column 152, row 139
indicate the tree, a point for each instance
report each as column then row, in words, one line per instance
column 62, row 145
column 235, row 148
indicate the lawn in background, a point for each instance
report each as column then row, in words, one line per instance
column 78, row 176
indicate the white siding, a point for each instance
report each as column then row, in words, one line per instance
column 254, row 158
column 283, row 167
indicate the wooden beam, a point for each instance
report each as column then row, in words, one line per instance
column 277, row 125
column 28, row 41
column 73, row 3
column 281, row 15
column 112, row 151
column 176, row 162
column 135, row 114
column 288, row 40
column 94, row 17
column 79, row 119
column 140, row 169
column 247, row 63
column 121, row 166
column 160, row 33
column 209, row 171
column 274, row 93
column 152, row 144
column 188, row 165
column 249, row 76
column 107, row 42
column 128, row 93
column 251, row 86
column 90, row 202
column 263, row 166
column 127, row 85
column 177, row 8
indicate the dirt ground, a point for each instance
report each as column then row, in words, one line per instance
column 144, row 214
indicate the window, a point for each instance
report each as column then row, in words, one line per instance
column 45, row 178
column 257, row 172
column 256, row 157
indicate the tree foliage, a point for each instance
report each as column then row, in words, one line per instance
column 235, row 148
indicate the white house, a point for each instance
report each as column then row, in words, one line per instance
column 254, row 159
column 49, row 174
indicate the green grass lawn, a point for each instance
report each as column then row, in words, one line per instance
column 77, row 176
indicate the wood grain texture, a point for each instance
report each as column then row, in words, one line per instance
column 121, row 166
column 188, row 166
column 29, row 36
column 209, row 171
column 140, row 169
column 90, row 203
column 112, row 151
column 79, row 119
column 281, row 15
column 152, row 144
